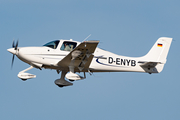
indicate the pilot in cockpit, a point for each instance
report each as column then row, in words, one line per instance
column 67, row 48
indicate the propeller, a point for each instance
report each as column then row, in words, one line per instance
column 15, row 48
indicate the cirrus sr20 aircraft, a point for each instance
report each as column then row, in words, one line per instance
column 71, row 57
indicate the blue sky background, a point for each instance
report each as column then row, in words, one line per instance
column 125, row 27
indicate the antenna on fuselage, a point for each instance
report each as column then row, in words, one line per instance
column 86, row 38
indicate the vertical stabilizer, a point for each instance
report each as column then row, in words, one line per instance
column 159, row 51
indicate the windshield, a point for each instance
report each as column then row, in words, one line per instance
column 52, row 44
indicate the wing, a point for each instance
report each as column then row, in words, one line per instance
column 81, row 57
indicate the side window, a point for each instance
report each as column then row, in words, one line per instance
column 68, row 46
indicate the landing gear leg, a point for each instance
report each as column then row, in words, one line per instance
column 24, row 76
column 62, row 82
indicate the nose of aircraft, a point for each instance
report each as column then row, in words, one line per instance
column 11, row 50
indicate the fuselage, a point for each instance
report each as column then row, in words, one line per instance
column 50, row 54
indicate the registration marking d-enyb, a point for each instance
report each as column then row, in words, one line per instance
column 119, row 61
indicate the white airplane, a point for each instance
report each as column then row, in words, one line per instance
column 70, row 57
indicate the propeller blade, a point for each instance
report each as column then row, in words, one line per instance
column 13, row 44
column 16, row 44
column 12, row 61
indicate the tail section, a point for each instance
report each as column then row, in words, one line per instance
column 156, row 56
column 159, row 51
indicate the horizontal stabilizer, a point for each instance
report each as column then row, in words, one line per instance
column 151, row 67
column 148, row 64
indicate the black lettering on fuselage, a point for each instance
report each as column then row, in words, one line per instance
column 110, row 60
column 128, row 61
column 118, row 61
column 133, row 63
column 122, row 62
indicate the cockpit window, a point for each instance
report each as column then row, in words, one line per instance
column 68, row 46
column 52, row 44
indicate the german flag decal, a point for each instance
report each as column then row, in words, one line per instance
column 159, row 45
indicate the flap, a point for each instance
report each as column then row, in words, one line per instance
column 80, row 57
